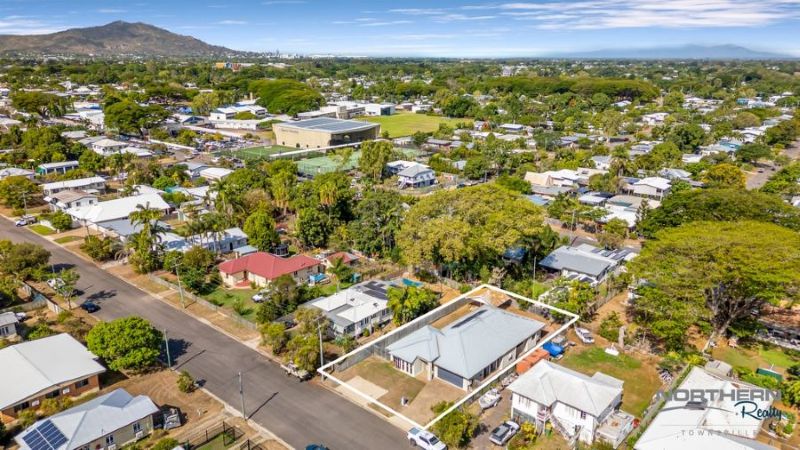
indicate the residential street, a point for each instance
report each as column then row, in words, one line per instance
column 300, row 414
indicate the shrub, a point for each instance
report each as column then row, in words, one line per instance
column 166, row 444
column 99, row 249
column 274, row 335
column 38, row 331
column 185, row 382
column 239, row 306
column 609, row 327
column 27, row 418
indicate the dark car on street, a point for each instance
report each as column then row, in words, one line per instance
column 90, row 307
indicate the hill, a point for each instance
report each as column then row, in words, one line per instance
column 113, row 39
column 715, row 52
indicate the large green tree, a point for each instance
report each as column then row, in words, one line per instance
column 715, row 272
column 378, row 217
column 260, row 230
column 374, row 157
column 130, row 343
column 127, row 116
column 408, row 303
column 719, row 205
column 467, row 227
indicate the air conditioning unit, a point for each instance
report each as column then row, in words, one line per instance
column 112, row 447
column 139, row 434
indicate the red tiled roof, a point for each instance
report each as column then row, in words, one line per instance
column 344, row 256
column 267, row 265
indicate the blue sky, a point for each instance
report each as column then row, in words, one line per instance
column 433, row 28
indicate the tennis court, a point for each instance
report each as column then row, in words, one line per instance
column 258, row 152
column 326, row 164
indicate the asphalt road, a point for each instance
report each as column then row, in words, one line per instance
column 299, row 413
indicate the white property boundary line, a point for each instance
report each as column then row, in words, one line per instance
column 322, row 370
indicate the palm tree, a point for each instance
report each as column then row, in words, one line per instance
column 328, row 194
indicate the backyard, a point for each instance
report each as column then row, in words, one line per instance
column 756, row 356
column 406, row 124
column 640, row 376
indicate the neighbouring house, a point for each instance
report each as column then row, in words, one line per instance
column 562, row 178
column 578, row 406
column 227, row 241
column 8, row 325
column 193, row 169
column 347, row 258
column 586, row 262
column 120, row 208
column 6, row 172
column 90, row 184
column 123, row 229
column 715, row 420
column 64, row 200
column 230, row 112
column 416, row 175
column 650, row 187
column 261, row 268
column 56, row 167
column 107, row 147
column 110, row 421
column 357, row 308
column 214, row 173
column 601, row 162
column 655, row 118
column 467, row 351
column 49, row 367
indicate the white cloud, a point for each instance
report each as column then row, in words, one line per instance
column 385, row 23
column 27, row 25
column 111, row 11
column 603, row 14
column 232, row 22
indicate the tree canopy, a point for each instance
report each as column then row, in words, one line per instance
column 130, row 343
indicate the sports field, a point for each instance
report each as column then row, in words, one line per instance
column 407, row 123
column 258, row 152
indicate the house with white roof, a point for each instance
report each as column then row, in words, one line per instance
column 89, row 184
column 655, row 118
column 227, row 241
column 710, row 423
column 6, row 172
column 107, row 422
column 107, row 147
column 587, row 262
column 214, row 173
column 357, row 308
column 8, row 325
column 579, row 406
column 650, row 187
column 467, row 351
column 229, row 112
column 45, row 368
column 64, row 200
column 56, row 167
column 95, row 215
column 416, row 175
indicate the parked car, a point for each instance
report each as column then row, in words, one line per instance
column 90, row 307
column 21, row 316
column 260, row 296
column 504, row 432
column 489, row 399
column 316, row 447
column 55, row 283
column 25, row 220
column 584, row 335
column 425, row 440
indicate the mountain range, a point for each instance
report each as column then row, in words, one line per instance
column 711, row 52
column 113, row 39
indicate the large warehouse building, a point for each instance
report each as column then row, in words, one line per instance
column 323, row 132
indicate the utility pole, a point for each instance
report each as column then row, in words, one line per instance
column 241, row 395
column 166, row 344
column 321, row 352
column 180, row 287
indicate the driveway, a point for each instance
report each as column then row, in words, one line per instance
column 299, row 413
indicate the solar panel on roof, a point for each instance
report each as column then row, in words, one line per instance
column 45, row 437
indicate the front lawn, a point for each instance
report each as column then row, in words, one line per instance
column 384, row 374
column 41, row 229
column 640, row 377
column 67, row 239
column 759, row 355
column 228, row 297
column 406, row 124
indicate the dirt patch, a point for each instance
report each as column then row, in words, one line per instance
column 384, row 375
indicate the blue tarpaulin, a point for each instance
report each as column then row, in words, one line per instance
column 553, row 349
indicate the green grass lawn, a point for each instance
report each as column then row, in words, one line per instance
column 41, row 229
column 67, row 239
column 227, row 297
column 221, row 442
column 406, row 124
column 641, row 379
column 754, row 357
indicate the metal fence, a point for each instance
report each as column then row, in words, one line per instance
column 250, row 445
column 227, row 433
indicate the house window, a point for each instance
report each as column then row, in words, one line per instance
column 21, row 406
column 109, row 439
column 137, row 427
column 82, row 383
column 53, row 394
column 583, row 414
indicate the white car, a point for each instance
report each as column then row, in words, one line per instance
column 260, row 297
column 425, row 440
column 55, row 283
column 584, row 335
column 504, row 432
